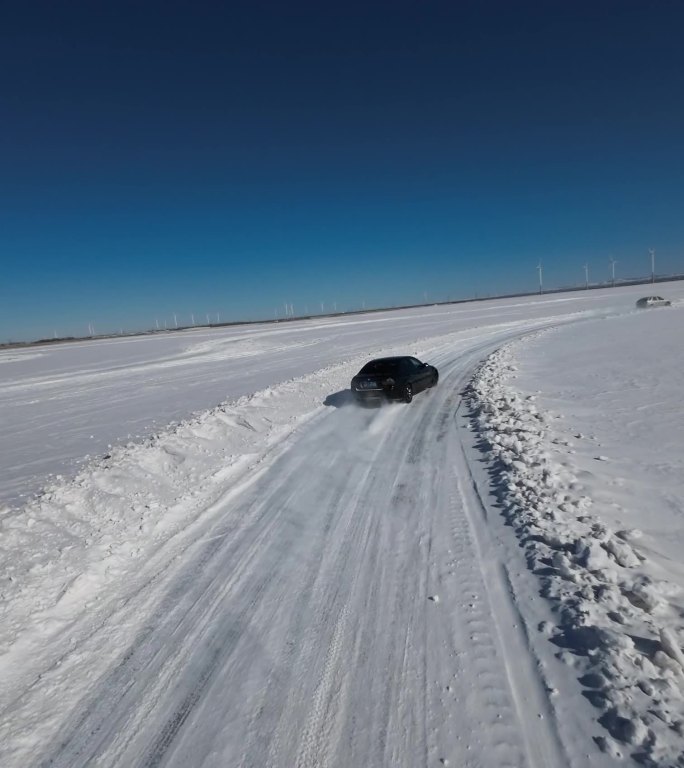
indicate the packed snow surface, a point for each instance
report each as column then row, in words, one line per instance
column 490, row 576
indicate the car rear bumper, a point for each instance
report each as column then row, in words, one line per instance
column 375, row 395
column 365, row 395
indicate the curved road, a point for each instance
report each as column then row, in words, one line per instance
column 337, row 611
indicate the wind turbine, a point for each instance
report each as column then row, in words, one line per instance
column 652, row 252
column 613, row 262
column 539, row 269
column 586, row 276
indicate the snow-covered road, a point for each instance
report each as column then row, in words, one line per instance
column 298, row 613
column 289, row 580
column 331, row 608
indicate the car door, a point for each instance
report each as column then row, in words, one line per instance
column 421, row 375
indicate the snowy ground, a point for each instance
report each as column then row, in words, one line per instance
column 583, row 426
column 59, row 404
column 288, row 580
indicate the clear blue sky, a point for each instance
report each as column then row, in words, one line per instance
column 204, row 157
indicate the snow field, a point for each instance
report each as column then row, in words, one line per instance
column 83, row 532
column 126, row 504
column 281, row 580
column 619, row 623
column 90, row 544
column 288, row 622
column 61, row 405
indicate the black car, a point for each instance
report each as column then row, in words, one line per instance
column 394, row 378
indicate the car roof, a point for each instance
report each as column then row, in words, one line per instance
column 395, row 359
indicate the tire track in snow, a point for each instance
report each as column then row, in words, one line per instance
column 248, row 575
column 390, row 689
column 317, row 730
column 315, row 596
column 100, row 713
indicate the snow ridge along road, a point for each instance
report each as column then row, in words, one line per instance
column 616, row 590
column 338, row 605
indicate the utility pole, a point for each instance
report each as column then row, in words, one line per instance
column 539, row 269
column 586, row 276
column 612, row 265
column 652, row 252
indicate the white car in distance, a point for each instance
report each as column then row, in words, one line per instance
column 652, row 301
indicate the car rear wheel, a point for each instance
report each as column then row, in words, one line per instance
column 408, row 393
column 435, row 379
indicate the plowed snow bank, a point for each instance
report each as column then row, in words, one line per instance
column 619, row 606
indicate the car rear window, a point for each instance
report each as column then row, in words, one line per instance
column 381, row 367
